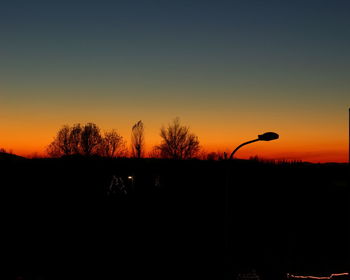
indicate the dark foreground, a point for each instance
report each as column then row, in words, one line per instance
column 63, row 219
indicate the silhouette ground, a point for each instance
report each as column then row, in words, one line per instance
column 165, row 219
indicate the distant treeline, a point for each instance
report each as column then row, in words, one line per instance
column 177, row 142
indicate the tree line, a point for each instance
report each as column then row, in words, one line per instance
column 177, row 142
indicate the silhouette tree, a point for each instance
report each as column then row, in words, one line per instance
column 178, row 142
column 53, row 150
column 75, row 140
column 137, row 140
column 90, row 139
column 60, row 146
column 112, row 145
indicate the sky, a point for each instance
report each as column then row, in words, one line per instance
column 230, row 70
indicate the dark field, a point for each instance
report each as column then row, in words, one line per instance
column 62, row 220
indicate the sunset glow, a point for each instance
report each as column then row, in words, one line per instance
column 229, row 71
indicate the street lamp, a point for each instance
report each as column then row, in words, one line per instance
column 268, row 136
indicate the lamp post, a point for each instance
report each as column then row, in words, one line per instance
column 268, row 136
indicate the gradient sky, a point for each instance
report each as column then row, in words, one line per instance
column 229, row 69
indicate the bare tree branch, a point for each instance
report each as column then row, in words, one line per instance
column 113, row 145
column 178, row 142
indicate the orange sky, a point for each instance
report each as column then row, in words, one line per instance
column 316, row 134
column 229, row 70
column 312, row 140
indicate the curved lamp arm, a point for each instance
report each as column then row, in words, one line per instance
column 245, row 143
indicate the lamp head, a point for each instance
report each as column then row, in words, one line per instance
column 268, row 136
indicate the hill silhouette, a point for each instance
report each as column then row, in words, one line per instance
column 9, row 156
